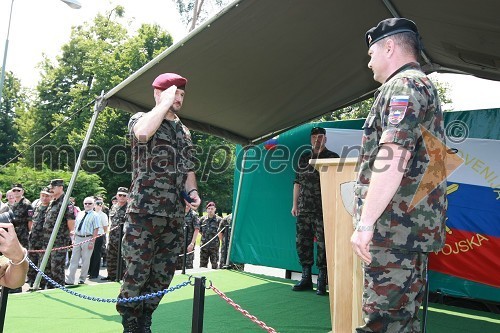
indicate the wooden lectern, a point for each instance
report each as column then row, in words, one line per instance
column 345, row 278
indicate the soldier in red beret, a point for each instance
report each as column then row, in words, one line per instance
column 163, row 182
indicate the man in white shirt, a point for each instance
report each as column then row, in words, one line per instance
column 95, row 260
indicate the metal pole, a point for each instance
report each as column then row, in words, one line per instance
column 198, row 304
column 185, row 248
column 98, row 107
column 5, row 51
column 3, row 306
column 226, row 245
column 237, row 201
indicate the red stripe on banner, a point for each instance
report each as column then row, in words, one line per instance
column 470, row 256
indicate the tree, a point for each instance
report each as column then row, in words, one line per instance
column 195, row 12
column 14, row 103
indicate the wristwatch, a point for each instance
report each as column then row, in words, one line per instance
column 364, row 227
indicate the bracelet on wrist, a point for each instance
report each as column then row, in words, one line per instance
column 364, row 227
column 192, row 190
column 22, row 260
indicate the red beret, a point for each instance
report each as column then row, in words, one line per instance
column 210, row 204
column 166, row 80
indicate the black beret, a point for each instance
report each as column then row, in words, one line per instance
column 17, row 185
column 166, row 80
column 318, row 130
column 122, row 190
column 57, row 182
column 389, row 27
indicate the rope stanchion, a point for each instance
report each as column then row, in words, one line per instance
column 198, row 304
column 244, row 312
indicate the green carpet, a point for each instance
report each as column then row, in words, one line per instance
column 269, row 299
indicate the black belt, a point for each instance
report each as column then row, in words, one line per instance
column 85, row 236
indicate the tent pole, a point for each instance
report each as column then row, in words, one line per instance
column 237, row 202
column 98, row 107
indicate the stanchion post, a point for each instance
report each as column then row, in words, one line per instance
column 3, row 306
column 226, row 245
column 119, row 264
column 198, row 304
column 185, row 248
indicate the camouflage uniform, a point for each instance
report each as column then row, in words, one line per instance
column 117, row 217
column 56, row 263
column 153, row 233
column 310, row 219
column 225, row 223
column 192, row 222
column 210, row 229
column 402, row 236
column 23, row 212
column 36, row 240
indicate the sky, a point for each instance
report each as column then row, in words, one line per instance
column 43, row 26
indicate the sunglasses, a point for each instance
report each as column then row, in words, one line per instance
column 88, row 203
column 98, row 203
column 121, row 195
column 16, row 190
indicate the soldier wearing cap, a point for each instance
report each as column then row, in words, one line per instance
column 117, row 219
column 307, row 207
column 393, row 233
column 36, row 234
column 56, row 263
column 162, row 169
column 210, row 242
column 23, row 212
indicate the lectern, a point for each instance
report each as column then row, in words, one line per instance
column 345, row 279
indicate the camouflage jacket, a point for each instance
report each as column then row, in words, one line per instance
column 38, row 221
column 405, row 105
column 226, row 223
column 309, row 200
column 23, row 211
column 192, row 222
column 159, row 169
column 210, row 228
column 63, row 237
column 117, row 215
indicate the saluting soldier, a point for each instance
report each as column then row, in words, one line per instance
column 210, row 245
column 56, row 263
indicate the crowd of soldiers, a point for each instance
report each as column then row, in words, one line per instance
column 35, row 221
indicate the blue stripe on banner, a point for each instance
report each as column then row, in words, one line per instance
column 474, row 208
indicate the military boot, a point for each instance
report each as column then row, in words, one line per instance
column 306, row 282
column 321, row 283
column 130, row 326
column 145, row 323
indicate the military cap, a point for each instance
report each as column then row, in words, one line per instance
column 389, row 27
column 122, row 190
column 17, row 185
column 318, row 130
column 210, row 204
column 45, row 190
column 166, row 80
column 113, row 198
column 57, row 182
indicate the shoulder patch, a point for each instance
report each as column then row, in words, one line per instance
column 397, row 108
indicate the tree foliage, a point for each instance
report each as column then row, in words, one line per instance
column 195, row 12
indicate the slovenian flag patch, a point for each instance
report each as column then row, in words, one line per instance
column 397, row 108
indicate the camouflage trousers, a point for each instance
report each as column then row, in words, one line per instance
column 209, row 253
column 151, row 245
column 394, row 287
column 223, row 252
column 112, row 253
column 189, row 261
column 55, row 265
column 308, row 227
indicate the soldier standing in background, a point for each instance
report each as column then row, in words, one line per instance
column 117, row 218
column 210, row 245
column 192, row 223
column 162, row 175
column 225, row 228
column 308, row 209
column 36, row 235
column 393, row 234
column 56, row 263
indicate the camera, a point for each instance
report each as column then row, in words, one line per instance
column 7, row 217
